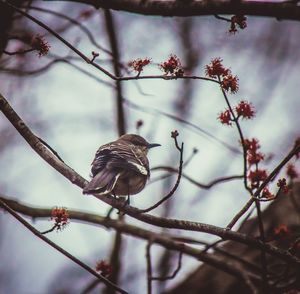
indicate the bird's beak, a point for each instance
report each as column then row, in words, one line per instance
column 153, row 145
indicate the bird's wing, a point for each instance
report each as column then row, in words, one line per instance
column 118, row 157
column 110, row 162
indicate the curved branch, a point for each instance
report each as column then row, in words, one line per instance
column 165, row 198
column 74, row 22
column 196, row 183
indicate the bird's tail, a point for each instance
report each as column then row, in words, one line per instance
column 103, row 183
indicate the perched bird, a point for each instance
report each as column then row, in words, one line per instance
column 120, row 168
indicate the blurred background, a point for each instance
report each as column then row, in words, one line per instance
column 72, row 106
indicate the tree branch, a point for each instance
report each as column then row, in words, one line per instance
column 58, row 248
column 165, row 240
column 278, row 10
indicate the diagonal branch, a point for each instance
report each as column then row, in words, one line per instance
column 58, row 248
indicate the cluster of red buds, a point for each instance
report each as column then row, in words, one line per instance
column 139, row 64
column 174, row 134
column 282, row 185
column 244, row 110
column 172, row 66
column 60, row 217
column 225, row 117
column 255, row 175
column 104, row 268
column 252, row 151
column 39, row 43
column 237, row 21
column 216, row 70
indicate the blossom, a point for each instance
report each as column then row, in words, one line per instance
column 252, row 145
column 139, row 64
column 174, row 134
column 172, row 66
column 282, row 184
column 291, row 171
column 39, row 43
column 230, row 83
column 257, row 176
column 104, row 268
column 267, row 194
column 253, row 155
column 216, row 69
column 225, row 117
column 60, row 217
column 237, row 20
column 245, row 109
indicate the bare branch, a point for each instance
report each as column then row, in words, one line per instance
column 165, row 198
column 278, row 10
column 74, row 22
column 149, row 267
column 176, row 271
column 196, row 183
column 21, row 52
column 110, row 27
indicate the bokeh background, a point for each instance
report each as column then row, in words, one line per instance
column 72, row 106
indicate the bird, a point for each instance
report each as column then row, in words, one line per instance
column 120, row 168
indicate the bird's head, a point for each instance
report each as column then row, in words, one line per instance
column 138, row 141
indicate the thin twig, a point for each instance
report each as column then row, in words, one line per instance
column 173, row 275
column 263, row 253
column 110, row 27
column 74, row 22
column 165, row 198
column 149, row 267
column 196, row 183
column 222, row 18
column 20, row 52
column 49, row 231
column 236, row 121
